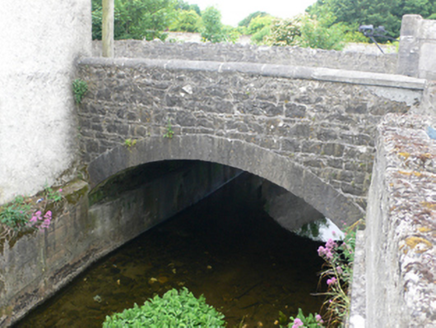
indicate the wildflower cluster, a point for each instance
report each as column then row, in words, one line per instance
column 39, row 221
column 311, row 321
column 25, row 212
column 339, row 258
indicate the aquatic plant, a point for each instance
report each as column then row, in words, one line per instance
column 173, row 309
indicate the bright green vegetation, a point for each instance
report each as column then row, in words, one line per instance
column 328, row 24
column 80, row 88
column 16, row 214
column 170, row 133
column 388, row 13
column 173, row 309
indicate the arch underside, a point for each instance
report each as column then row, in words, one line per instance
column 267, row 164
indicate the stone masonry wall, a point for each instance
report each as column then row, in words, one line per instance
column 36, row 265
column 227, row 52
column 400, row 226
column 326, row 127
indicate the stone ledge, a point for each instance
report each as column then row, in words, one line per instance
column 283, row 71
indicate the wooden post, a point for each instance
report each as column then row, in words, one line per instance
column 108, row 28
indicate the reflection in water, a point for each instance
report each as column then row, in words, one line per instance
column 321, row 230
column 225, row 247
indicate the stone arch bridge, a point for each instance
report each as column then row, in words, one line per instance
column 307, row 129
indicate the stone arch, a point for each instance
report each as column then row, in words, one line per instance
column 248, row 157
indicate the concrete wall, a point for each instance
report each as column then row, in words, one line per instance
column 416, row 55
column 40, row 42
column 400, row 240
column 227, row 52
column 35, row 265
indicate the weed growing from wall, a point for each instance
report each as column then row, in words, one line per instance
column 129, row 143
column 80, row 88
column 170, row 133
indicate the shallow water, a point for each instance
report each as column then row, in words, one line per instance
column 226, row 247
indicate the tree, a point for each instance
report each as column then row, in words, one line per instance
column 246, row 21
column 182, row 5
column 307, row 32
column 186, row 21
column 284, row 32
column 136, row 19
column 212, row 26
column 259, row 28
column 387, row 13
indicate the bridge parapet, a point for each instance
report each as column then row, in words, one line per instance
column 226, row 52
column 294, row 112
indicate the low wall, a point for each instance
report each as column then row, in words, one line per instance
column 400, row 226
column 37, row 264
column 227, row 52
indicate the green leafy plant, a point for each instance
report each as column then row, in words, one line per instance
column 129, row 143
column 170, row 133
column 51, row 195
column 80, row 88
column 339, row 259
column 16, row 214
column 173, row 309
column 311, row 321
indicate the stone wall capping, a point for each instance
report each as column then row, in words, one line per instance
column 283, row 71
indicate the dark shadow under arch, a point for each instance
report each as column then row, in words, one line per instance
column 235, row 153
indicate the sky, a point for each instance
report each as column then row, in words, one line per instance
column 233, row 11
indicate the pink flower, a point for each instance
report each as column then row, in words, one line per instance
column 339, row 270
column 297, row 323
column 319, row 318
column 60, row 190
column 33, row 219
column 48, row 214
column 331, row 281
column 321, row 251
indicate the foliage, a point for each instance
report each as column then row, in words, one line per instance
column 317, row 34
column 186, row 21
column 284, row 32
column 258, row 23
column 51, row 195
column 129, row 143
column 173, row 309
column 247, row 20
column 230, row 33
column 80, row 88
column 311, row 321
column 307, row 32
column 212, row 26
column 20, row 213
column 15, row 215
column 339, row 261
column 169, row 134
column 136, row 19
column 387, row 13
column 259, row 37
column 182, row 5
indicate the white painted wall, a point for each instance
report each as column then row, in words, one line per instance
column 39, row 43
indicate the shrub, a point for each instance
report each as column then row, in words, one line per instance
column 173, row 309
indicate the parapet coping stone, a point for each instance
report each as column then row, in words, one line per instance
column 283, row 71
